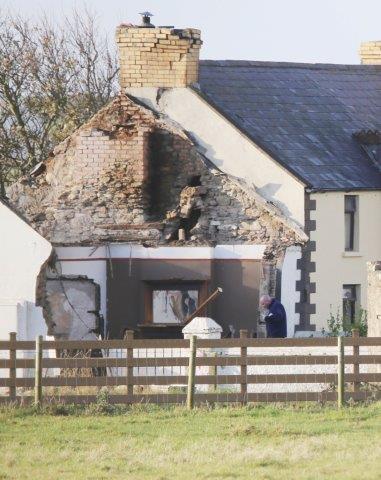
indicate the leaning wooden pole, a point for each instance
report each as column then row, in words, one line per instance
column 38, row 372
column 191, row 372
column 340, row 372
column 215, row 294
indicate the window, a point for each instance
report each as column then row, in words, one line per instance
column 351, row 294
column 351, row 223
column 171, row 303
column 370, row 141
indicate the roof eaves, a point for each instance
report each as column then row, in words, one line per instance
column 296, row 65
column 341, row 189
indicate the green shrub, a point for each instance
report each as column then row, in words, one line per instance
column 339, row 325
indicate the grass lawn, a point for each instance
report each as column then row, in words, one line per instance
column 262, row 442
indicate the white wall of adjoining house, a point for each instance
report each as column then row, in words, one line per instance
column 27, row 321
column 8, row 318
column 227, row 147
column 334, row 266
column 24, row 318
column 31, row 322
column 289, row 296
column 22, row 254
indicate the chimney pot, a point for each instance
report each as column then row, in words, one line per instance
column 160, row 57
column 146, row 20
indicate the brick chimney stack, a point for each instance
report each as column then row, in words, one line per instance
column 157, row 56
column 370, row 53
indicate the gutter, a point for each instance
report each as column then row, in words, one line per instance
column 345, row 190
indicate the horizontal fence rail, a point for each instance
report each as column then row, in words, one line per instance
column 237, row 370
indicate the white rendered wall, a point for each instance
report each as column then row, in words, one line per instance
column 8, row 318
column 334, row 266
column 22, row 254
column 227, row 147
column 290, row 275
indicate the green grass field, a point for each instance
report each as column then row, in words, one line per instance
column 270, row 442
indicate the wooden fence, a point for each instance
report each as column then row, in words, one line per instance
column 73, row 375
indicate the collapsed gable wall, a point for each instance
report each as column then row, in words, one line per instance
column 128, row 176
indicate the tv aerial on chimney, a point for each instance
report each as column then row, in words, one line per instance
column 146, row 19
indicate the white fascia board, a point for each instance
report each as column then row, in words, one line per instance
column 83, row 253
column 228, row 252
column 241, row 252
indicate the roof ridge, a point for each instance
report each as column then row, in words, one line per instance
column 275, row 64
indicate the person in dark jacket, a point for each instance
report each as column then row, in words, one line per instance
column 276, row 319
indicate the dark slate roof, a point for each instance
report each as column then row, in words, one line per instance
column 303, row 115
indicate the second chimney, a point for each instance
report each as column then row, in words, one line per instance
column 370, row 53
column 158, row 56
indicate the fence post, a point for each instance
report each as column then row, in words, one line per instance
column 38, row 372
column 243, row 334
column 340, row 372
column 213, row 372
column 191, row 372
column 356, row 364
column 12, row 368
column 129, row 335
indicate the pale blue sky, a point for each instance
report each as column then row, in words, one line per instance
column 284, row 30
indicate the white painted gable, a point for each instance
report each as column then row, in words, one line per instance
column 22, row 253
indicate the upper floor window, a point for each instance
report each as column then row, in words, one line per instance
column 370, row 141
column 351, row 223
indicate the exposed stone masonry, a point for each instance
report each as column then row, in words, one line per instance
column 158, row 57
column 128, row 176
column 374, row 299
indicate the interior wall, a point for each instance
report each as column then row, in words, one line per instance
column 120, row 270
column 71, row 308
column 89, row 262
column 237, row 306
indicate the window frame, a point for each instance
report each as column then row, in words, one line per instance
column 351, row 212
column 200, row 285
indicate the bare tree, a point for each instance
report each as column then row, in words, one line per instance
column 52, row 79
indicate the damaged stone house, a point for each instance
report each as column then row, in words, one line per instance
column 144, row 227
column 252, row 176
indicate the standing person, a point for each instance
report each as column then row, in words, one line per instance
column 276, row 319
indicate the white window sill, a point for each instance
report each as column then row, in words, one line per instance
column 352, row 254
